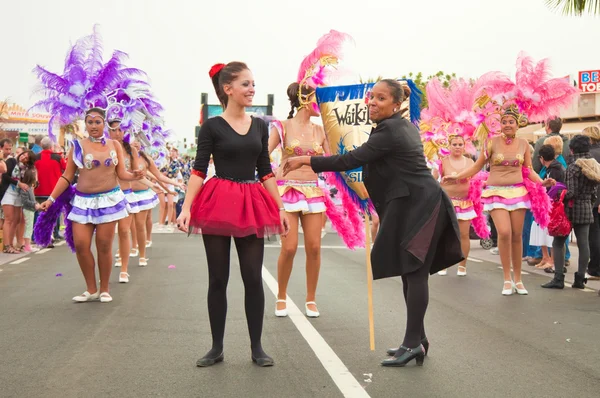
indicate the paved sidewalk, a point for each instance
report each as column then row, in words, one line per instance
column 477, row 252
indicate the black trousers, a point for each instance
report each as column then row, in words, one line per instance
column 594, row 238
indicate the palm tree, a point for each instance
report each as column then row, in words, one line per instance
column 575, row 7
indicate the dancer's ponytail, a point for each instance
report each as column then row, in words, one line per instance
column 222, row 74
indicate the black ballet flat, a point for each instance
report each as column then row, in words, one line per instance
column 408, row 355
column 208, row 361
column 264, row 361
column 392, row 351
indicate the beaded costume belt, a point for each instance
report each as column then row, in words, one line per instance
column 296, row 183
column 240, row 181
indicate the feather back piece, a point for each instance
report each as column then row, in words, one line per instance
column 44, row 226
column 449, row 113
column 314, row 68
column 540, row 201
column 479, row 223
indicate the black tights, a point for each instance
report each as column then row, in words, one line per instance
column 415, row 287
column 250, row 253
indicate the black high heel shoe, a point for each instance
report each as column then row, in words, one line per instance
column 408, row 355
column 425, row 343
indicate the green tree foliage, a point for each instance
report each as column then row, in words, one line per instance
column 421, row 82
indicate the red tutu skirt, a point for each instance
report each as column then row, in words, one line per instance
column 237, row 209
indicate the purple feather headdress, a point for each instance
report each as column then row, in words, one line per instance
column 88, row 82
column 85, row 82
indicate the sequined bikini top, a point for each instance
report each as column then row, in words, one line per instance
column 294, row 148
column 499, row 158
column 88, row 161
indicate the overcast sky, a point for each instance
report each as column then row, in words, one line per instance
column 176, row 42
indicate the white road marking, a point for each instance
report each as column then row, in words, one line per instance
column 21, row 260
column 62, row 242
column 343, row 379
column 475, row 260
column 43, row 251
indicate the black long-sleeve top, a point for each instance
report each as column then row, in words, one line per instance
column 235, row 156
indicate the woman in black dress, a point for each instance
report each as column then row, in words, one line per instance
column 234, row 204
column 418, row 233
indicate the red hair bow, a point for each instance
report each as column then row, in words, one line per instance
column 216, row 68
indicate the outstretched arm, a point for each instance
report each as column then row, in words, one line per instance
column 469, row 172
column 153, row 170
column 378, row 145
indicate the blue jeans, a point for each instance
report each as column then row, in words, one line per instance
column 527, row 233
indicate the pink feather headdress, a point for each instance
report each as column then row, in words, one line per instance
column 533, row 96
column 317, row 66
column 449, row 113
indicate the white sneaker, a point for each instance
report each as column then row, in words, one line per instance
column 118, row 262
column 443, row 272
column 134, row 253
column 494, row 251
column 123, row 279
column 462, row 271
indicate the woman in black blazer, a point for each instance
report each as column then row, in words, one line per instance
column 418, row 233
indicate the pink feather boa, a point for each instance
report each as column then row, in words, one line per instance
column 480, row 222
column 540, row 201
column 346, row 221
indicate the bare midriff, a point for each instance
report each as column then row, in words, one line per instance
column 506, row 161
column 100, row 177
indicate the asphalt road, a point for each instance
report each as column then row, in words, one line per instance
column 146, row 342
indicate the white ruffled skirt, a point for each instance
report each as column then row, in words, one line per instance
column 131, row 201
column 145, row 200
column 98, row 208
